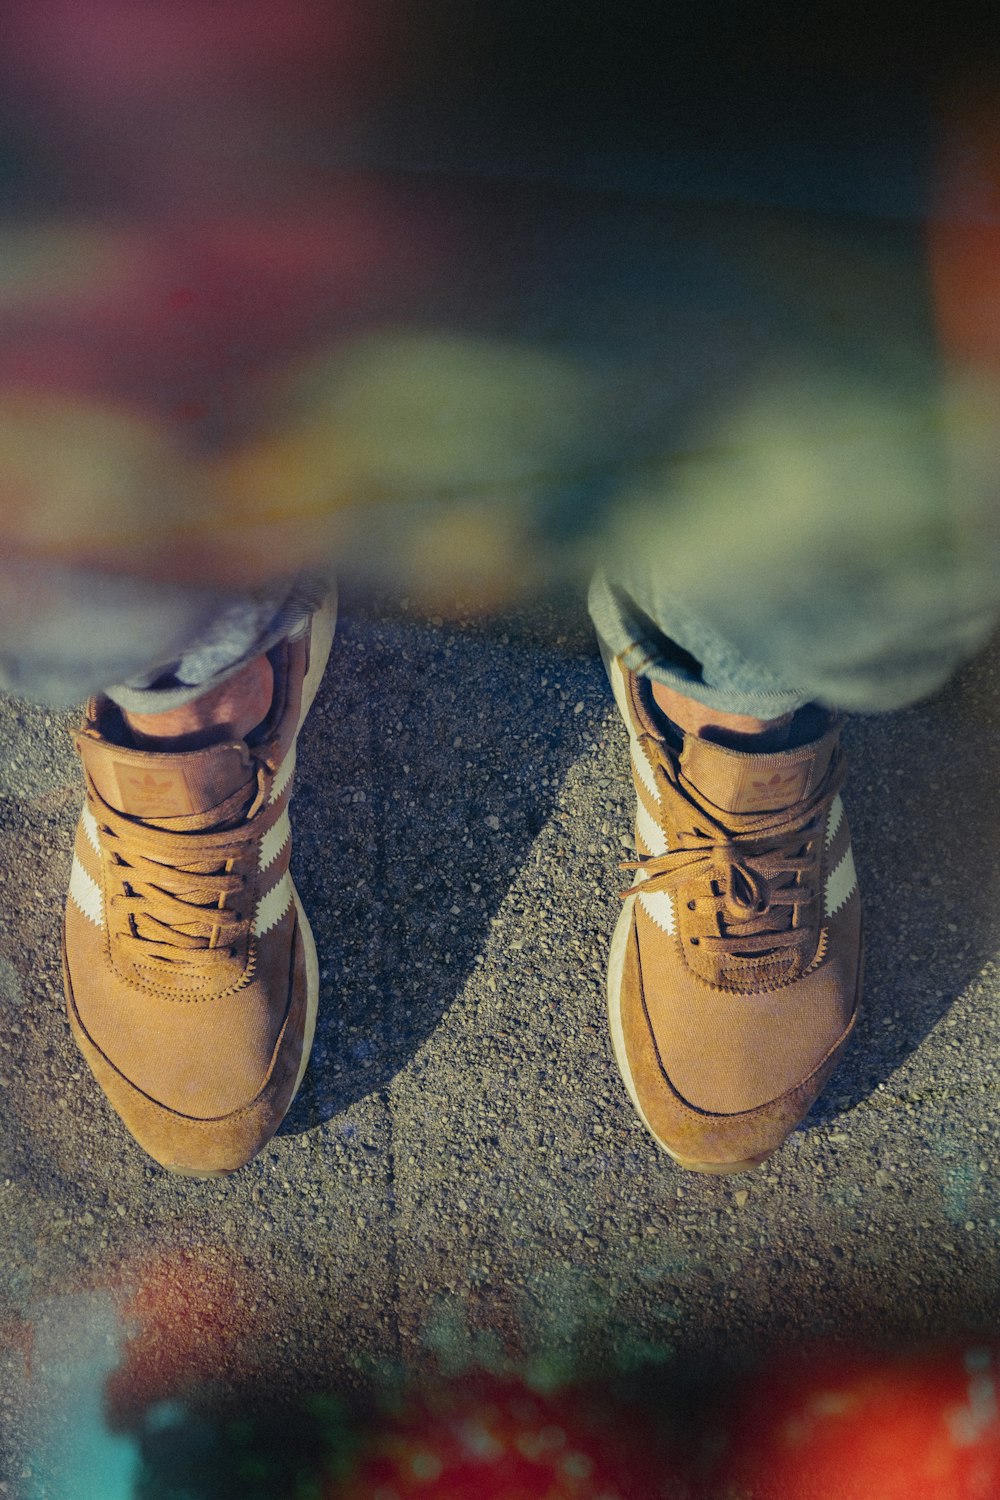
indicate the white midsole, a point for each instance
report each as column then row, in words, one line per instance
column 619, row 943
column 323, row 624
column 616, row 969
column 312, row 988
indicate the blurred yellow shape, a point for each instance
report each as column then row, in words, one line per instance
column 394, row 416
column 86, row 480
column 422, row 457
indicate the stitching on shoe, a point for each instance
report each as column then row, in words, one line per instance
column 769, row 1104
column 142, row 981
column 204, row 1122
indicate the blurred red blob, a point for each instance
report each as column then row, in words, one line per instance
column 162, row 107
column 487, row 1438
column 808, row 1425
column 196, row 239
column 187, row 1319
column 857, row 1426
column 190, row 315
column 183, row 1317
column 132, row 357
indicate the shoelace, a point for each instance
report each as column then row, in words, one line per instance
column 180, row 891
column 762, row 877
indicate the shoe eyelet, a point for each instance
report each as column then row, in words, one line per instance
column 691, row 905
column 694, row 942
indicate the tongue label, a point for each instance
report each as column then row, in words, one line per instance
column 744, row 783
column 157, row 793
column 780, row 789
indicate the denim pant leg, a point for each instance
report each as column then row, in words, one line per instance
column 662, row 639
column 67, row 633
column 242, row 629
column 850, row 648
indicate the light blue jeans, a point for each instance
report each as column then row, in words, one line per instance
column 150, row 648
column 756, row 435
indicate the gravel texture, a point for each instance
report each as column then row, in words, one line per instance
column 462, row 1178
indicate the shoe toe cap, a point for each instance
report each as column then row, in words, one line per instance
column 720, row 1107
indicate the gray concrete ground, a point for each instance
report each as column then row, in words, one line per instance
column 462, row 1178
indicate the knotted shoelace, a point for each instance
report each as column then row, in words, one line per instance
column 761, row 875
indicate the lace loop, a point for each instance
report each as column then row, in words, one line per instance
column 175, row 887
column 757, row 878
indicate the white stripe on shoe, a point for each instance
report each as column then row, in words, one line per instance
column 85, row 891
column 658, row 905
column 640, row 761
column 274, row 841
column 834, row 820
column 273, row 906
column 90, row 829
column 642, row 768
column 841, row 884
column 647, row 829
column 659, row 908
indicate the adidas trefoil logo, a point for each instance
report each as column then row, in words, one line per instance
column 778, row 782
column 148, row 792
column 148, row 785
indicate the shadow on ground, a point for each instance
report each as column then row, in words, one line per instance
column 430, row 763
column 925, row 821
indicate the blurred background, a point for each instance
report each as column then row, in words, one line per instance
column 462, row 299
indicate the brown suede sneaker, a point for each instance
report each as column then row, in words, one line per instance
column 735, row 969
column 190, row 970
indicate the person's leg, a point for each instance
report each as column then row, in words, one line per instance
column 191, row 974
column 68, row 631
column 735, row 969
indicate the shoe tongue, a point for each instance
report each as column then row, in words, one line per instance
column 738, row 782
column 157, row 786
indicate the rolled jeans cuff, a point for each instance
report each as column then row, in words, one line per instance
column 681, row 651
column 243, row 629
